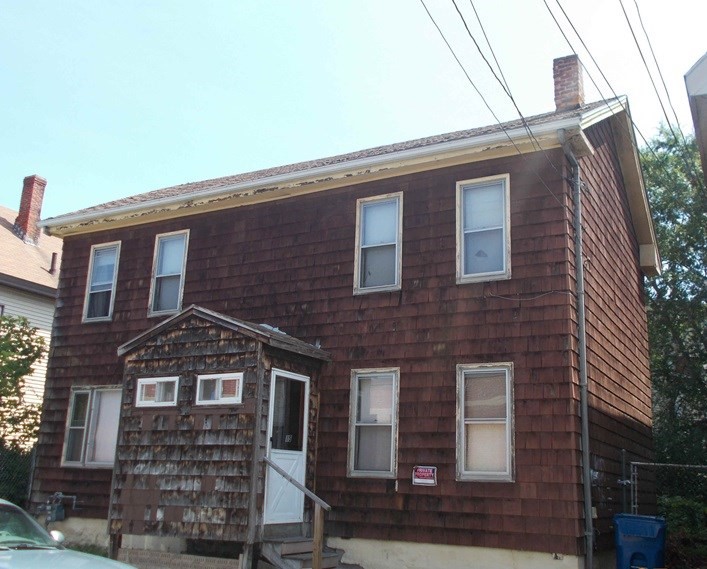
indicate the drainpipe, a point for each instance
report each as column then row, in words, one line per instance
column 581, row 333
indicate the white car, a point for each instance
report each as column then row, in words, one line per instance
column 25, row 544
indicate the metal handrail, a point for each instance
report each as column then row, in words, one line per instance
column 319, row 507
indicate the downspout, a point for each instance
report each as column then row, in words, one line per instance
column 582, row 340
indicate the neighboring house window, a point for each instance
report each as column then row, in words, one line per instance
column 157, row 391
column 223, row 388
column 378, row 243
column 483, row 229
column 100, row 287
column 168, row 272
column 373, row 423
column 92, row 427
column 485, row 430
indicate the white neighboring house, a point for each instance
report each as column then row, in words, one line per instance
column 29, row 273
column 696, row 84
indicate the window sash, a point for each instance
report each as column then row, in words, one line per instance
column 373, row 423
column 157, row 392
column 92, row 427
column 169, row 266
column 101, row 281
column 483, row 226
column 216, row 391
column 378, row 243
column 485, row 431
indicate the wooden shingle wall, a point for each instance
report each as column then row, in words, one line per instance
column 290, row 263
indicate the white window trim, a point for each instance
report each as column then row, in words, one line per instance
column 220, row 400
column 466, row 475
column 358, row 289
column 505, row 273
column 89, row 276
column 156, row 380
column 355, row 375
column 89, row 429
column 153, row 278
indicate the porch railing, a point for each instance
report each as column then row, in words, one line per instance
column 319, row 507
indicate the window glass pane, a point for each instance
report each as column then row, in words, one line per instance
column 378, row 266
column 483, row 252
column 485, row 395
column 166, row 391
column 375, row 399
column 98, row 304
column 166, row 293
column 229, row 388
column 103, row 267
column 148, row 392
column 171, row 255
column 79, row 410
column 486, row 447
column 208, row 390
column 288, row 414
column 483, row 206
column 74, row 444
column 106, row 409
column 380, row 223
column 373, row 448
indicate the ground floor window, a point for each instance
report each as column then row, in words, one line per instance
column 485, row 429
column 373, row 423
column 92, row 427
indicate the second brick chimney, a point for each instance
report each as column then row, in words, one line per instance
column 26, row 226
column 569, row 84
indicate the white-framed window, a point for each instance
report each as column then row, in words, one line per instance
column 219, row 389
column 485, row 429
column 100, row 283
column 378, row 260
column 373, row 423
column 168, row 267
column 92, row 427
column 157, row 391
column 483, row 229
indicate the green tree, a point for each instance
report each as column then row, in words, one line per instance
column 20, row 347
column 677, row 302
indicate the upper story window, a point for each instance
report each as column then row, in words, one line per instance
column 92, row 427
column 168, row 272
column 157, row 392
column 100, row 287
column 485, row 429
column 378, row 243
column 373, row 423
column 483, row 229
column 219, row 389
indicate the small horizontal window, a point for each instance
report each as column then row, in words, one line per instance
column 216, row 389
column 157, row 392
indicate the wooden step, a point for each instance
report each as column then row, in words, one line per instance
column 330, row 559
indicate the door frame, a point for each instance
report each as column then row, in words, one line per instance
column 274, row 373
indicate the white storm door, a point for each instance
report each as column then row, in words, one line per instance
column 287, row 447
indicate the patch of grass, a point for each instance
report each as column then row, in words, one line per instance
column 87, row 548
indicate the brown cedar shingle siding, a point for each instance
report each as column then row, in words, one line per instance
column 290, row 263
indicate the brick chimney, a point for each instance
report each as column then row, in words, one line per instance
column 569, row 85
column 30, row 209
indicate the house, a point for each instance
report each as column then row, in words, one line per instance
column 696, row 84
column 405, row 330
column 29, row 273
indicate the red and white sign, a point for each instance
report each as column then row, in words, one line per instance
column 424, row 475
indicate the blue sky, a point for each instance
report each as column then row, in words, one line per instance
column 109, row 99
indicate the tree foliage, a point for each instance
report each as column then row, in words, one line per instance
column 20, row 347
column 677, row 299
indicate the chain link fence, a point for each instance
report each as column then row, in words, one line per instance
column 16, row 466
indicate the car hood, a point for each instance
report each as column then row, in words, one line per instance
column 55, row 559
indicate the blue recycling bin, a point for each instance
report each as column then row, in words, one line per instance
column 640, row 541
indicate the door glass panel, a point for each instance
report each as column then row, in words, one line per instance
column 288, row 414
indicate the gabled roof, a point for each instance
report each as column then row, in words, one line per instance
column 24, row 265
column 549, row 130
column 261, row 332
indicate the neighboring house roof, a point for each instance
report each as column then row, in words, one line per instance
column 261, row 332
column 549, row 130
column 696, row 84
column 24, row 265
